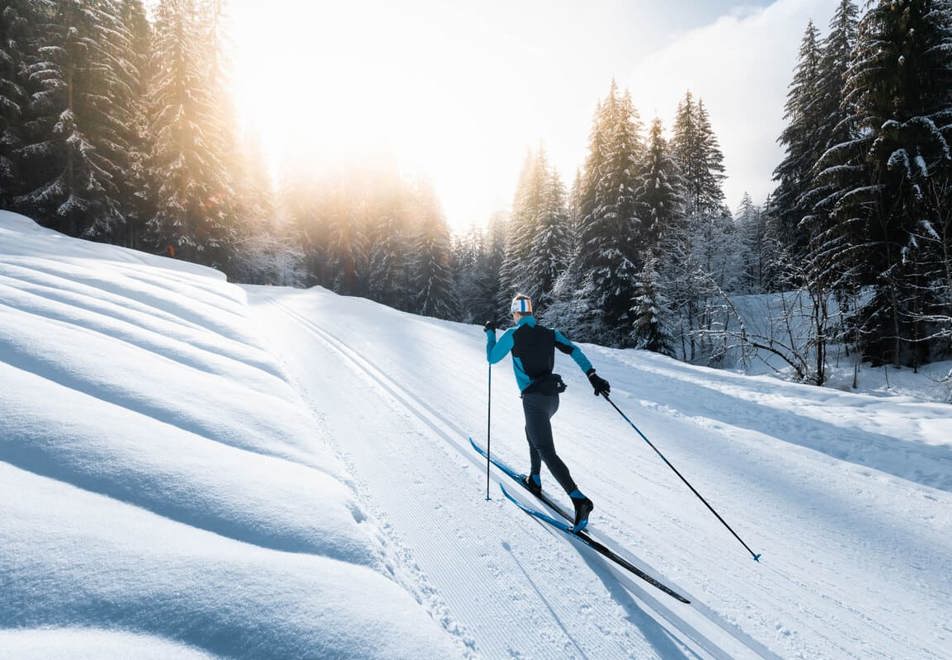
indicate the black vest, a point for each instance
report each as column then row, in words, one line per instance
column 534, row 345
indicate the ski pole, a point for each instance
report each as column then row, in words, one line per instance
column 489, row 408
column 756, row 556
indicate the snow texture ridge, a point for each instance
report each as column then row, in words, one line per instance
column 164, row 491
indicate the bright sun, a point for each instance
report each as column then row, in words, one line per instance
column 323, row 84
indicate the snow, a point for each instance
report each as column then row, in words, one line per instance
column 786, row 318
column 189, row 468
column 162, row 485
column 847, row 495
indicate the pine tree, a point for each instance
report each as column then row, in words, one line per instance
column 70, row 181
column 752, row 230
column 388, row 261
column 802, row 140
column 486, row 302
column 610, row 227
column 892, row 177
column 523, row 228
column 17, row 27
column 824, row 265
column 549, row 252
column 698, row 154
column 432, row 275
column 186, row 161
column 660, row 194
column 702, row 256
column 650, row 312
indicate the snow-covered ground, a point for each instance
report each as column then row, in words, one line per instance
column 786, row 319
column 189, row 468
column 162, row 486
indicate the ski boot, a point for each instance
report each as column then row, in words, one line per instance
column 583, row 507
column 533, row 484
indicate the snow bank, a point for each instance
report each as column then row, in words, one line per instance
column 163, row 488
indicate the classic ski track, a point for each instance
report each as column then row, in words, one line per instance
column 434, row 419
column 622, row 642
column 769, row 601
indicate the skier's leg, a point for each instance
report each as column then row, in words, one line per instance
column 539, row 409
column 535, row 461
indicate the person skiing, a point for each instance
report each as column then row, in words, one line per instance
column 533, row 358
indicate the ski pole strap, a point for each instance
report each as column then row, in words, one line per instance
column 753, row 554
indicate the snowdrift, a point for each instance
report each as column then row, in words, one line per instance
column 164, row 491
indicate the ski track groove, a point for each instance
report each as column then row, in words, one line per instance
column 433, row 419
column 406, row 409
column 465, row 453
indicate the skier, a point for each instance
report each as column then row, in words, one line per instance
column 533, row 358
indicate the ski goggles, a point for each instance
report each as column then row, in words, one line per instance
column 521, row 306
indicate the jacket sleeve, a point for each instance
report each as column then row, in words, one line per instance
column 497, row 350
column 563, row 344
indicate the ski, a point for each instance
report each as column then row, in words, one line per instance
column 518, row 478
column 604, row 551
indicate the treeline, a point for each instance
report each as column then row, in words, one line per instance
column 640, row 250
column 857, row 235
column 863, row 208
column 366, row 231
column 119, row 129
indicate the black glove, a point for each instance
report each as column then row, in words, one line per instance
column 489, row 326
column 600, row 384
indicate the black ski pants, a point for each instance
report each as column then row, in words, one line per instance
column 539, row 409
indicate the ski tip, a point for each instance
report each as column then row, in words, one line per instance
column 757, row 557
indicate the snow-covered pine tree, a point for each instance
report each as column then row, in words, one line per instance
column 700, row 259
column 661, row 191
column 549, row 251
column 347, row 240
column 69, row 180
column 486, row 301
column 222, row 131
column 523, row 227
column 297, row 203
column 18, row 19
column 610, row 228
column 751, row 229
column 186, row 163
column 711, row 182
column 430, row 265
column 388, row 261
column 467, row 253
column 701, row 162
column 825, row 266
column 802, row 142
column 650, row 330
column 699, row 157
column 127, row 142
column 892, row 176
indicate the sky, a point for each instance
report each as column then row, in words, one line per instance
column 456, row 93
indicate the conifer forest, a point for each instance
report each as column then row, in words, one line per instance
column 116, row 125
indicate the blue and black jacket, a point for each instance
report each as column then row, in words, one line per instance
column 533, row 350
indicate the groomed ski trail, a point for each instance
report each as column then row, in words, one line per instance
column 857, row 562
column 521, row 618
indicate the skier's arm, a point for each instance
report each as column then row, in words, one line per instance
column 600, row 385
column 563, row 344
column 497, row 350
